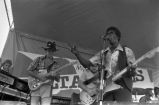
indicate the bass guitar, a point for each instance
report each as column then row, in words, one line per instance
column 35, row 83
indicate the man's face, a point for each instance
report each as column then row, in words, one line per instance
column 112, row 38
column 6, row 66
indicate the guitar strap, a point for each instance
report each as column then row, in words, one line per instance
column 50, row 66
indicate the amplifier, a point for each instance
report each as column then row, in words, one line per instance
column 14, row 82
column 6, row 78
column 13, row 92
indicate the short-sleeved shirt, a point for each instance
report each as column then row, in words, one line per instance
column 111, row 59
column 39, row 64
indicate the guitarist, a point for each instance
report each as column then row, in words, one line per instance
column 39, row 69
column 117, row 58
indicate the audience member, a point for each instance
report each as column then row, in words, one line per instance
column 6, row 66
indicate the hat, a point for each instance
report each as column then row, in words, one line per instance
column 50, row 46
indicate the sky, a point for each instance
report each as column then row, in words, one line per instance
column 4, row 25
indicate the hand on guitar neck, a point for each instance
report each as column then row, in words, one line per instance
column 51, row 76
column 131, row 69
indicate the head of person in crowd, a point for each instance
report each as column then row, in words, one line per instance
column 6, row 65
column 156, row 92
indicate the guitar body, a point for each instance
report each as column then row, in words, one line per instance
column 110, row 85
column 86, row 99
column 35, row 84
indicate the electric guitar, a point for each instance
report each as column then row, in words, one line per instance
column 88, row 100
column 35, row 84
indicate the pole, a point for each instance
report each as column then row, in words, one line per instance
column 102, row 74
column 7, row 14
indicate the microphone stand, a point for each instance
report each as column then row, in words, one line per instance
column 102, row 74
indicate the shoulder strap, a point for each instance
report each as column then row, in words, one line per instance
column 124, row 51
column 124, row 83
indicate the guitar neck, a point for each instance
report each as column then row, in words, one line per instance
column 149, row 54
column 64, row 66
column 117, row 76
column 139, row 59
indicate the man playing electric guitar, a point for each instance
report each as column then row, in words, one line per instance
column 115, row 58
column 40, row 69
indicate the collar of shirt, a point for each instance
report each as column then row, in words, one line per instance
column 119, row 47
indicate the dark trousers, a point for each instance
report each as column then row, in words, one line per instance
column 119, row 95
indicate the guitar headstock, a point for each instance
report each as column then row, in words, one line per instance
column 152, row 52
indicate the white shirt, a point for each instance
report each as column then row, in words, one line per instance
column 111, row 60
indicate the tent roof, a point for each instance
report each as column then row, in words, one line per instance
column 82, row 22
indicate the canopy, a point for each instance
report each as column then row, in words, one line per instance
column 82, row 22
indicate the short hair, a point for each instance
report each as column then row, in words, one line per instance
column 116, row 30
column 6, row 61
